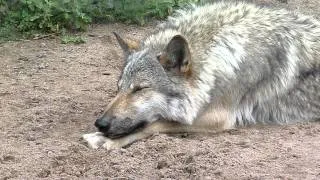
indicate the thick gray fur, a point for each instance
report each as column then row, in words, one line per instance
column 231, row 64
column 265, row 60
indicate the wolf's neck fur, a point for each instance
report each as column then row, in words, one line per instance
column 228, row 40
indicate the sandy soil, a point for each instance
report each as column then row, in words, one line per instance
column 50, row 94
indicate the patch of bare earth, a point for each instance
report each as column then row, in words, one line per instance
column 50, row 94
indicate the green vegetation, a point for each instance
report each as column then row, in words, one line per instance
column 66, row 39
column 22, row 18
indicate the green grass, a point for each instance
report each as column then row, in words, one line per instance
column 67, row 39
column 22, row 18
column 8, row 33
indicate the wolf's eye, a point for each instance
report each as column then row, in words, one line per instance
column 138, row 88
column 158, row 57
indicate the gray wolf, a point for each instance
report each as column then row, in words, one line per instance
column 215, row 67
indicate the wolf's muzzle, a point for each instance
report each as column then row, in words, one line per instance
column 103, row 123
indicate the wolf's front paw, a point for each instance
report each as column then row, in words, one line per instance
column 94, row 140
column 111, row 145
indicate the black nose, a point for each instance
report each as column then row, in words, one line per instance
column 103, row 124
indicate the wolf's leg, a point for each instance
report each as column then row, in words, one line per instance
column 95, row 140
column 111, row 144
column 154, row 128
column 212, row 121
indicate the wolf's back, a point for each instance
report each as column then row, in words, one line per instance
column 205, row 25
column 259, row 57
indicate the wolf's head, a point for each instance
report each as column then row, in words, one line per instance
column 150, row 88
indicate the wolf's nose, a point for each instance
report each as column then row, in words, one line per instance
column 103, row 124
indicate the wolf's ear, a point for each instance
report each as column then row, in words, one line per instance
column 177, row 55
column 128, row 46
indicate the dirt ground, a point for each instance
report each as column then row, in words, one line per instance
column 50, row 94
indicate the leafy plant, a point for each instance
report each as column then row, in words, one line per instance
column 66, row 39
column 56, row 16
column 47, row 15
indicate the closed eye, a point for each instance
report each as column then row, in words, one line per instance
column 138, row 88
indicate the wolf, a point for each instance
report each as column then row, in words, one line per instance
column 215, row 67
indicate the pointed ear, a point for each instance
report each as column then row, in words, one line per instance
column 128, row 46
column 177, row 55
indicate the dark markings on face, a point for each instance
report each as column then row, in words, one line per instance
column 144, row 71
column 120, row 128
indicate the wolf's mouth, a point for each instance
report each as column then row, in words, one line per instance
column 115, row 134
